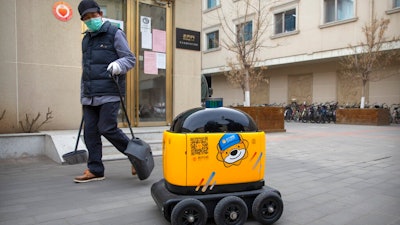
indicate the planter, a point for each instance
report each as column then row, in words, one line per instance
column 268, row 119
column 378, row 117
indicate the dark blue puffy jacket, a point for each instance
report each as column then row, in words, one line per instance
column 97, row 53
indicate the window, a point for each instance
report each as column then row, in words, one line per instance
column 396, row 3
column 285, row 21
column 394, row 7
column 336, row 10
column 244, row 31
column 212, row 40
column 212, row 3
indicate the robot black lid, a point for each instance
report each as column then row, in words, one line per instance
column 213, row 120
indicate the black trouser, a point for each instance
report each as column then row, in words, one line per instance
column 102, row 120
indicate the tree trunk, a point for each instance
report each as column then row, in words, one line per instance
column 362, row 103
column 247, row 89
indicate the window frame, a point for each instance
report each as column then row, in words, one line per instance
column 335, row 20
column 211, row 7
column 393, row 7
column 207, row 31
column 293, row 5
column 207, row 47
column 395, row 4
column 244, row 23
column 283, row 14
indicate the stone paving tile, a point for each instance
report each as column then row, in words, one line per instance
column 328, row 174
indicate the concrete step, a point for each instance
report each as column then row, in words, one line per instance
column 152, row 137
column 111, row 153
column 54, row 144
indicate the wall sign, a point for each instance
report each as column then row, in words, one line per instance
column 187, row 39
column 62, row 11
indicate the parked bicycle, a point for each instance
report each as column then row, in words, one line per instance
column 395, row 113
column 313, row 113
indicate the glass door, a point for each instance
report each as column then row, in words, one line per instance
column 148, row 29
column 153, row 101
column 152, row 63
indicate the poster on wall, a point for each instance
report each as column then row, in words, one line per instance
column 147, row 40
column 145, row 31
column 155, row 40
column 145, row 24
column 161, row 60
column 154, row 61
column 62, row 11
column 150, row 63
column 159, row 40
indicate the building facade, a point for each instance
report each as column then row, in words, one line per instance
column 177, row 41
column 40, row 60
column 303, row 41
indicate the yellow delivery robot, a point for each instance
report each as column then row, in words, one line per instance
column 214, row 163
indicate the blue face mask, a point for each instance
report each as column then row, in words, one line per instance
column 94, row 24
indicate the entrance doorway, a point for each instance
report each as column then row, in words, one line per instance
column 148, row 28
column 152, row 65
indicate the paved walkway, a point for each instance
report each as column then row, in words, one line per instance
column 328, row 174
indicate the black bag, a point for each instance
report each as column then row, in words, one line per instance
column 138, row 151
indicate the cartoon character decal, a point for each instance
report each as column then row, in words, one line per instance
column 232, row 149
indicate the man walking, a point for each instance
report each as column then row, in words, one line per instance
column 105, row 50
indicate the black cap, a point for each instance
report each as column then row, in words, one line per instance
column 87, row 6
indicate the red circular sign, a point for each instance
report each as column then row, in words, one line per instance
column 62, row 11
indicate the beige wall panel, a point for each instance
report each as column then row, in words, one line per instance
column 8, row 79
column 186, row 63
column 324, row 88
column 42, row 59
column 58, row 88
column 278, row 89
column 214, row 59
column 260, row 95
column 187, row 14
column 300, row 88
column 385, row 91
column 8, row 32
column 186, row 81
column 348, row 91
column 186, row 94
column 222, row 89
column 9, row 97
column 323, row 82
column 383, row 8
column 43, row 39
column 393, row 28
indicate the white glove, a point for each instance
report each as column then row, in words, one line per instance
column 114, row 68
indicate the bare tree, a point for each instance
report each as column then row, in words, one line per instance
column 245, row 43
column 30, row 125
column 3, row 114
column 370, row 57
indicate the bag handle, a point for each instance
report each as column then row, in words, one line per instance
column 115, row 78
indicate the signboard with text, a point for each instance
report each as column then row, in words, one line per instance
column 187, row 39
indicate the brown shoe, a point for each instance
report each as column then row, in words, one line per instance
column 87, row 177
column 133, row 171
